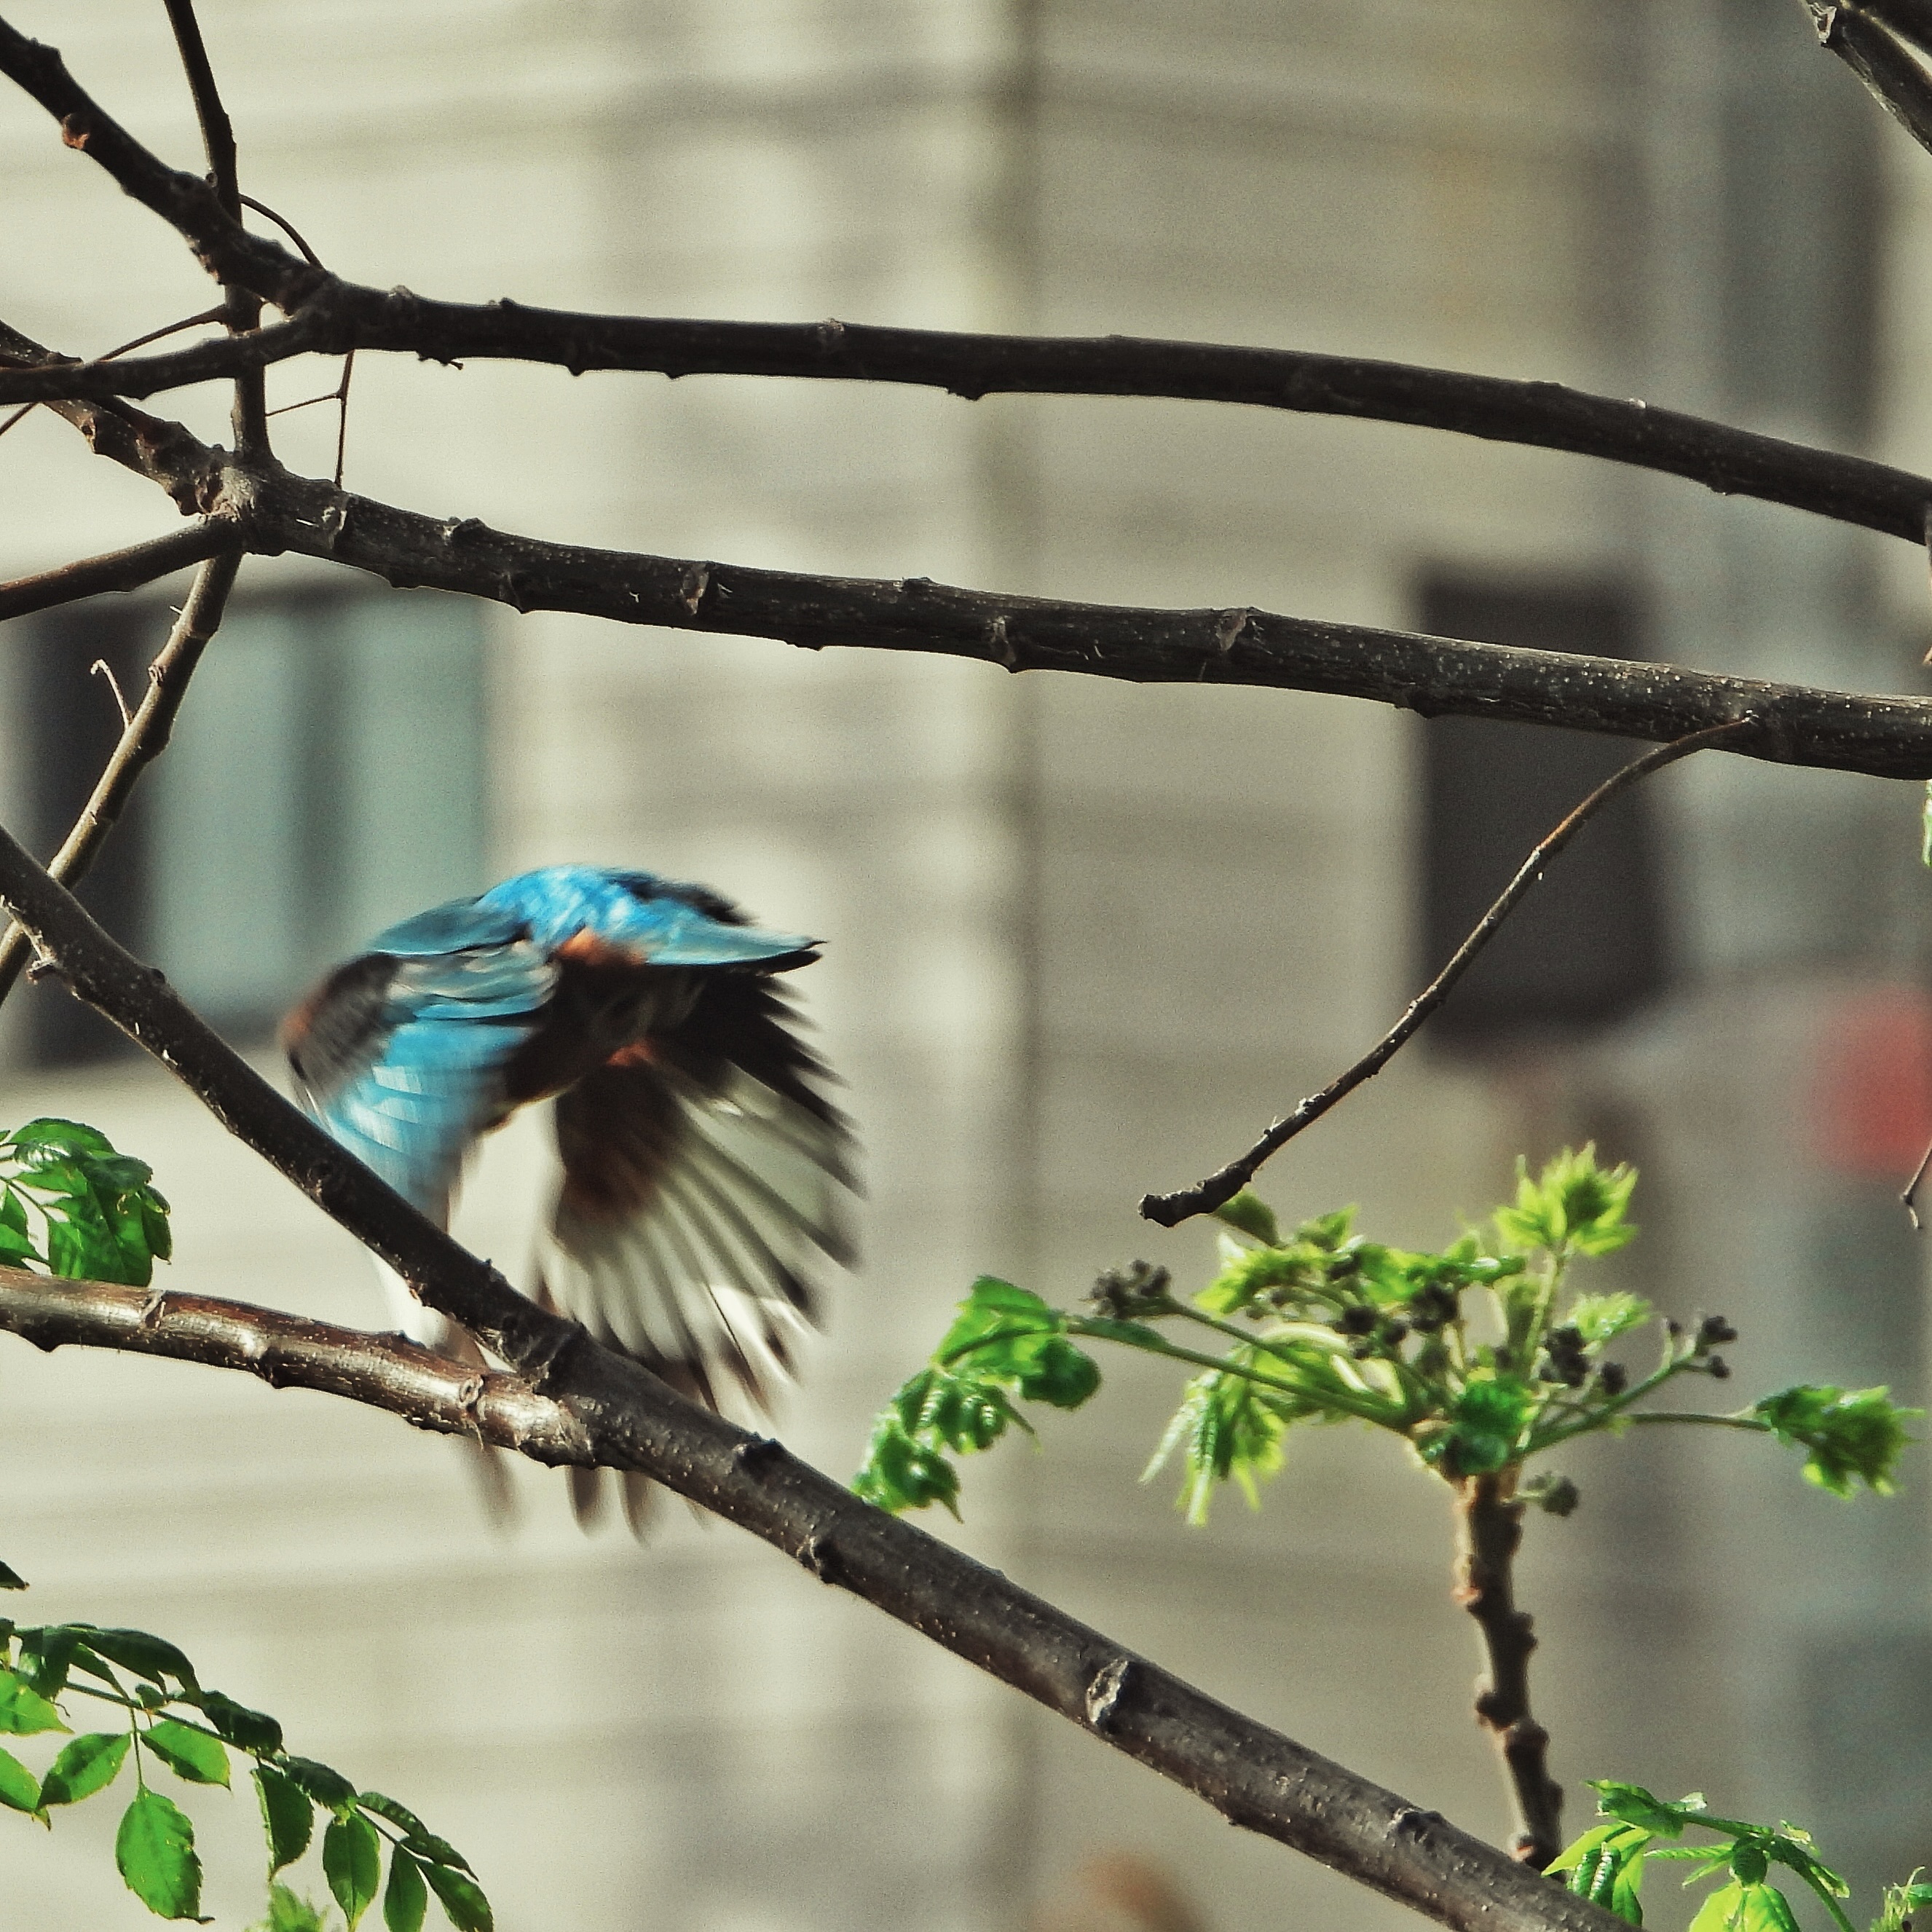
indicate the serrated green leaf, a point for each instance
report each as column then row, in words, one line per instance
column 19, row 1788
column 57, row 1138
column 1252, row 1216
column 431, row 1850
column 23, row 1711
column 86, row 1764
column 252, row 1730
column 46, row 1654
column 288, row 1912
column 153, row 1657
column 1634, row 1805
column 1849, row 1438
column 396, row 1814
column 155, row 1849
column 1722, row 1909
column 1599, row 1319
column 351, row 1861
column 188, row 1753
column 17, row 1245
column 462, row 1898
column 405, row 1897
column 329, row 1788
column 288, row 1817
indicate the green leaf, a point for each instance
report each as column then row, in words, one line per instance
column 188, row 1753
column 1849, row 1438
column 46, row 1654
column 52, row 1138
column 1634, row 1805
column 329, row 1788
column 1252, row 1216
column 19, row 1788
column 288, row 1817
column 23, row 1711
column 1061, row 1374
column 86, row 1764
column 405, row 1898
column 1748, row 1862
column 462, row 1898
column 153, row 1657
column 155, row 1849
column 1488, row 1420
column 899, row 1474
column 1573, row 1204
column 11, row 1579
column 399, row 1815
column 1723, row 1909
column 288, row 1913
column 1599, row 1319
column 427, row 1848
column 252, row 1730
column 352, row 1861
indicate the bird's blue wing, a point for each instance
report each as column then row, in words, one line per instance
column 402, row 1058
column 703, row 1179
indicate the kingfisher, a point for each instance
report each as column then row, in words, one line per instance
column 703, row 1172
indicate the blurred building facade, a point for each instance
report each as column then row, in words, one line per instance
column 1082, row 938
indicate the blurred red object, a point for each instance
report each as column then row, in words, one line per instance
column 1116, row 1891
column 1871, row 1109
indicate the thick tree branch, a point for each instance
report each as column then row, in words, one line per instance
column 330, row 316
column 1222, row 1186
column 151, row 446
column 272, row 511
column 1489, row 1530
column 1856, row 33
column 142, row 740
column 608, row 1411
column 118, row 570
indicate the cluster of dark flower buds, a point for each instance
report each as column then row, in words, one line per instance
column 1123, row 1294
column 1568, row 1362
column 1711, row 1330
column 1373, row 1329
column 1431, row 1309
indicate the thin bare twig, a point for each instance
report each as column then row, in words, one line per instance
column 242, row 311
column 144, row 736
column 340, row 394
column 1222, row 1186
column 127, row 569
column 609, row 1411
column 100, row 667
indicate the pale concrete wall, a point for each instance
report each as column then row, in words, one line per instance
column 1082, row 939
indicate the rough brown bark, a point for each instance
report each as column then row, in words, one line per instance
column 1488, row 1529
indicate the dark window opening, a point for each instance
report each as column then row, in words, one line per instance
column 1588, row 946
column 325, row 777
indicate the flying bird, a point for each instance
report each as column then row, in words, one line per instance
column 702, row 1170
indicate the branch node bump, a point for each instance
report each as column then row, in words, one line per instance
column 1104, row 1692
column 76, row 130
column 1411, row 1822
column 693, row 586
column 1229, row 626
column 756, row 1453
column 999, row 646
column 821, row 1556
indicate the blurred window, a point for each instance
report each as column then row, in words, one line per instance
column 325, row 777
column 1587, row 945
